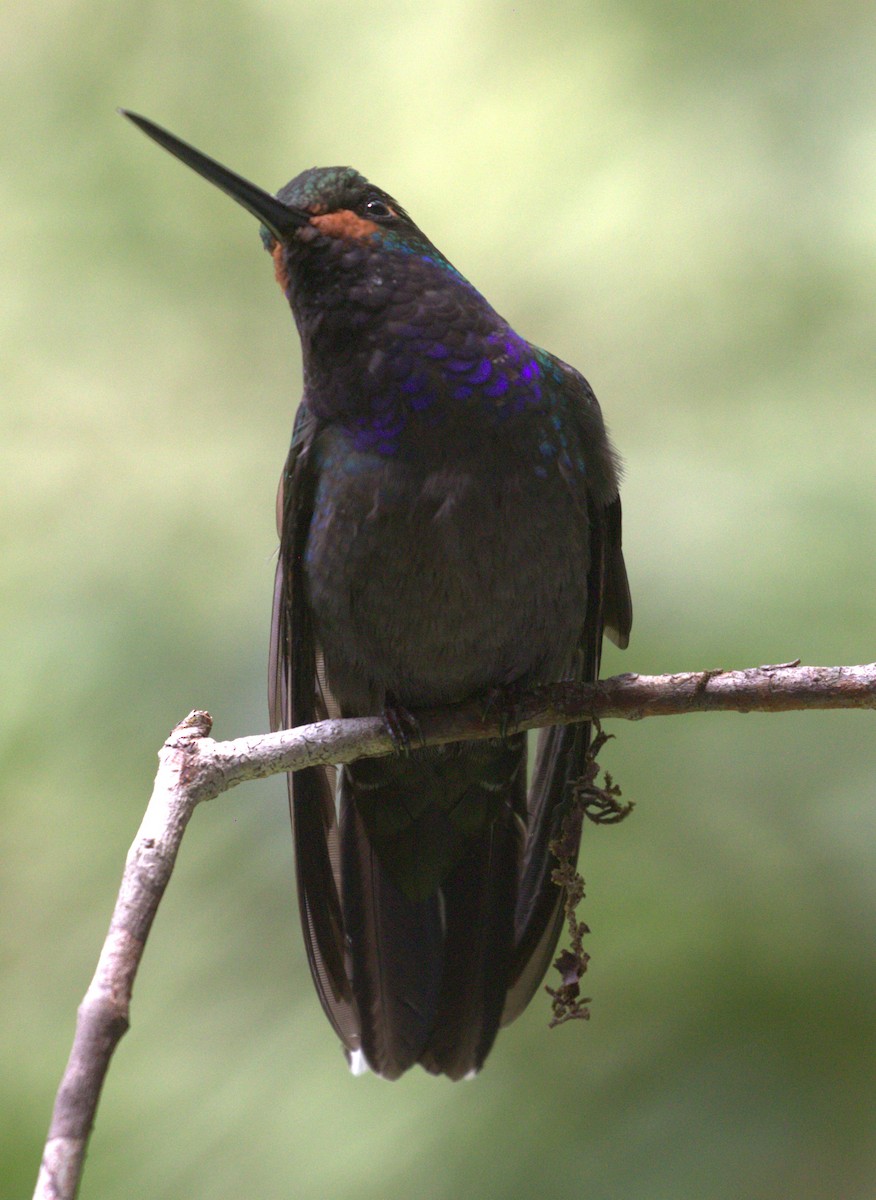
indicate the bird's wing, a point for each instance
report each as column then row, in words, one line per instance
column 562, row 750
column 297, row 696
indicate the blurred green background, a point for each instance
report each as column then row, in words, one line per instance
column 680, row 199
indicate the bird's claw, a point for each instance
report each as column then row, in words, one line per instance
column 503, row 702
column 402, row 726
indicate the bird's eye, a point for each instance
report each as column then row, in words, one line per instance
column 375, row 207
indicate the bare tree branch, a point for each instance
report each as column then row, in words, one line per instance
column 102, row 1018
column 193, row 767
column 782, row 688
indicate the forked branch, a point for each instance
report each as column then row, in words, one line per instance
column 193, row 767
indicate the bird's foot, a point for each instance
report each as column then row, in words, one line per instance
column 503, row 702
column 402, row 726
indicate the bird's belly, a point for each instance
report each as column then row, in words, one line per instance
column 437, row 585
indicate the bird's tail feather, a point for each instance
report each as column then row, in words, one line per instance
column 479, row 916
column 396, row 954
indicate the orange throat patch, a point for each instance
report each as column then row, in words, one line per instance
column 343, row 223
column 281, row 271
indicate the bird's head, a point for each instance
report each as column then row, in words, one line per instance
column 333, row 209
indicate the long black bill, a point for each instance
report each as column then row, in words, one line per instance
column 279, row 218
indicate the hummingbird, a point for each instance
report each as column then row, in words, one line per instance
column 450, row 527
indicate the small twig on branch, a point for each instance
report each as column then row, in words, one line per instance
column 602, row 806
column 193, row 767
